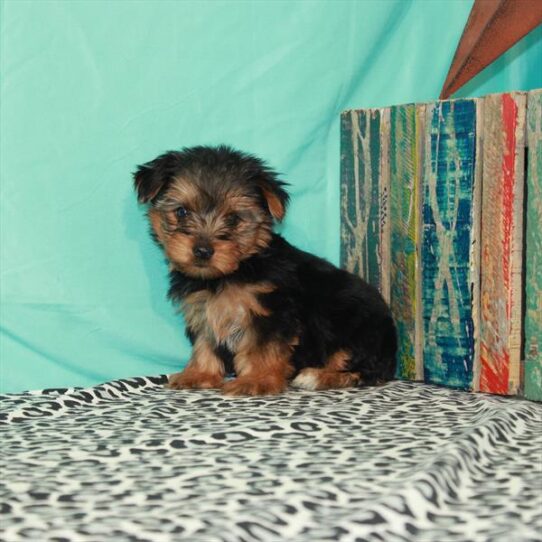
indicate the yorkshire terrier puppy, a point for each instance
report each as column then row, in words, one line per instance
column 254, row 305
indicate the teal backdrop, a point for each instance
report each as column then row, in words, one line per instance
column 89, row 89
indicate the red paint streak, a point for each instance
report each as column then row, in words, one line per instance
column 494, row 374
column 509, row 117
column 496, row 364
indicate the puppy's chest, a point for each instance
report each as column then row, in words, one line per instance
column 223, row 317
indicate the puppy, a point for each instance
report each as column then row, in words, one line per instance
column 254, row 305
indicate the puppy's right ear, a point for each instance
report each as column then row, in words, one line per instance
column 153, row 177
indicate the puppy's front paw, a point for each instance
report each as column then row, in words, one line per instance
column 194, row 380
column 245, row 385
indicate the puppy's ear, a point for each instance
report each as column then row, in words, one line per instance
column 275, row 195
column 154, row 176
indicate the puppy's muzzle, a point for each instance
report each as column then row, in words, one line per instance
column 203, row 252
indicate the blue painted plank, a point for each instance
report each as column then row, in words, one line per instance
column 449, row 244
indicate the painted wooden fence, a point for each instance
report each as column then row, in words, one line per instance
column 432, row 213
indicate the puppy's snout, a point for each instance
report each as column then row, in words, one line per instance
column 203, row 252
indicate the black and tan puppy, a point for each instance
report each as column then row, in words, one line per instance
column 254, row 304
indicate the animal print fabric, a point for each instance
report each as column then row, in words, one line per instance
column 132, row 461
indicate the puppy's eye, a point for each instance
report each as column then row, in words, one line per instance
column 233, row 220
column 181, row 212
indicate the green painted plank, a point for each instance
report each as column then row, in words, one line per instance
column 533, row 257
column 364, row 196
column 406, row 168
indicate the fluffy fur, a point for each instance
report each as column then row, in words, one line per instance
column 255, row 305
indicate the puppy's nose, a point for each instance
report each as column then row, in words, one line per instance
column 203, row 252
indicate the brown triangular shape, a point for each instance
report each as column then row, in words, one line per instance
column 492, row 28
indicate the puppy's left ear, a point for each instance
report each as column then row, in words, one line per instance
column 154, row 176
column 275, row 195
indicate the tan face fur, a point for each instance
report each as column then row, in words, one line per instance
column 232, row 224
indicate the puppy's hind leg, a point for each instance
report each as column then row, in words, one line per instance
column 334, row 374
column 325, row 379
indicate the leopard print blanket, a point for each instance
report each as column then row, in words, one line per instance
column 132, row 461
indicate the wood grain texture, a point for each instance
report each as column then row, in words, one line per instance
column 365, row 248
column 533, row 256
column 406, row 167
column 450, row 201
column 502, row 238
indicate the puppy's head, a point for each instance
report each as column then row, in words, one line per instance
column 210, row 207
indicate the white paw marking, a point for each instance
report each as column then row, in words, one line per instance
column 305, row 381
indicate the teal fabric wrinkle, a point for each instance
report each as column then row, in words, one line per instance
column 90, row 90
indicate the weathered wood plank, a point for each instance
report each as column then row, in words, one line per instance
column 533, row 256
column 450, row 201
column 406, row 167
column 475, row 256
column 365, row 196
column 384, row 245
column 502, row 237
